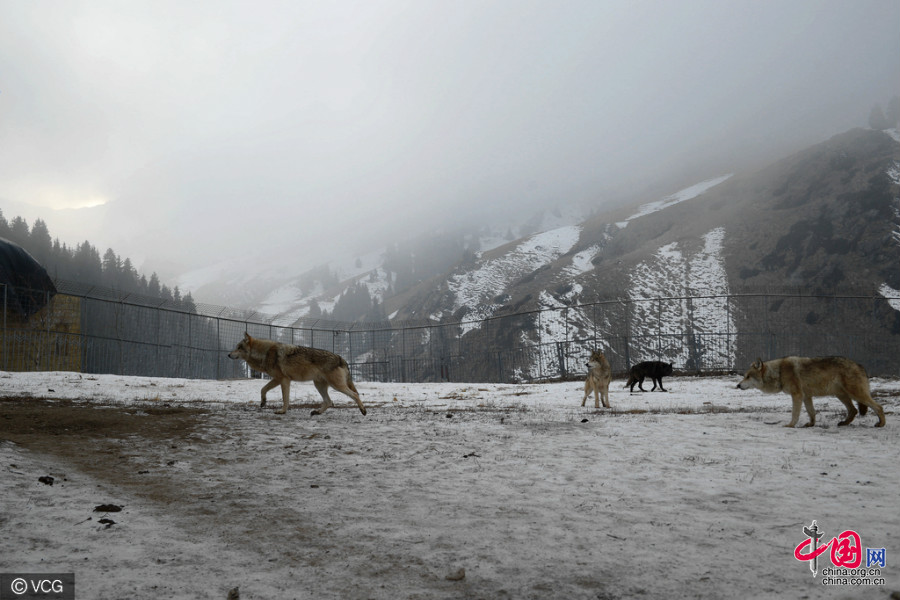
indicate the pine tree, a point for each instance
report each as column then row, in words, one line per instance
column 893, row 112
column 41, row 245
column 111, row 267
column 153, row 287
column 19, row 232
column 877, row 120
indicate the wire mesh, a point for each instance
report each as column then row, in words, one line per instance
column 95, row 330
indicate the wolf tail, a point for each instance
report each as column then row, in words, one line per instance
column 345, row 365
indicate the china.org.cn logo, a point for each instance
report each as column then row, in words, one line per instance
column 846, row 553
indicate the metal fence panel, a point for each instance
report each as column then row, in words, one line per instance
column 97, row 331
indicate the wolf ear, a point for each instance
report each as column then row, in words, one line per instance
column 246, row 335
column 760, row 365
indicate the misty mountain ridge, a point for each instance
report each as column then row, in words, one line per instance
column 826, row 218
column 280, row 284
column 823, row 218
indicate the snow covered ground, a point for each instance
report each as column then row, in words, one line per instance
column 442, row 491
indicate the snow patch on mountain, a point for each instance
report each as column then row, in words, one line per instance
column 892, row 295
column 476, row 289
column 685, row 194
column 894, row 172
column 581, row 262
column 703, row 311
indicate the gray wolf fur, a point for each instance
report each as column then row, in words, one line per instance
column 803, row 378
column 285, row 363
column 598, row 378
column 654, row 369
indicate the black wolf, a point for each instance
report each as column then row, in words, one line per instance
column 654, row 369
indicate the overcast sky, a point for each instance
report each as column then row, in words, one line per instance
column 205, row 129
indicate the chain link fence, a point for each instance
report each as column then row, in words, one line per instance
column 93, row 330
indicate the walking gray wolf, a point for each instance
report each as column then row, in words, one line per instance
column 285, row 363
column 803, row 378
column 653, row 369
column 598, row 378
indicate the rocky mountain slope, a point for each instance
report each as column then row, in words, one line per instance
column 822, row 221
column 706, row 277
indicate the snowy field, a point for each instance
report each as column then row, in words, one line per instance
column 442, row 491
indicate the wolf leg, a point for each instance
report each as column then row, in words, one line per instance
column 851, row 410
column 807, row 403
column 350, row 390
column 795, row 409
column 865, row 400
column 285, row 395
column 660, row 385
column 641, row 384
column 587, row 390
column 322, row 386
column 273, row 383
column 605, row 395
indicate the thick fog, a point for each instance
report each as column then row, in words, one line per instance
column 182, row 133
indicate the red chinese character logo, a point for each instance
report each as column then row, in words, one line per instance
column 801, row 554
column 846, row 550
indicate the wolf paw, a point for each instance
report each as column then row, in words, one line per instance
column 315, row 412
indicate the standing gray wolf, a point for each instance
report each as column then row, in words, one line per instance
column 653, row 369
column 804, row 378
column 598, row 378
column 285, row 363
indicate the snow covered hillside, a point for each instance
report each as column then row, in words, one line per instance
column 477, row 288
column 673, row 269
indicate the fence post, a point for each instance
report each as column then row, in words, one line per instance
column 218, row 345
column 728, row 330
column 627, row 336
column 659, row 328
column 5, row 334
